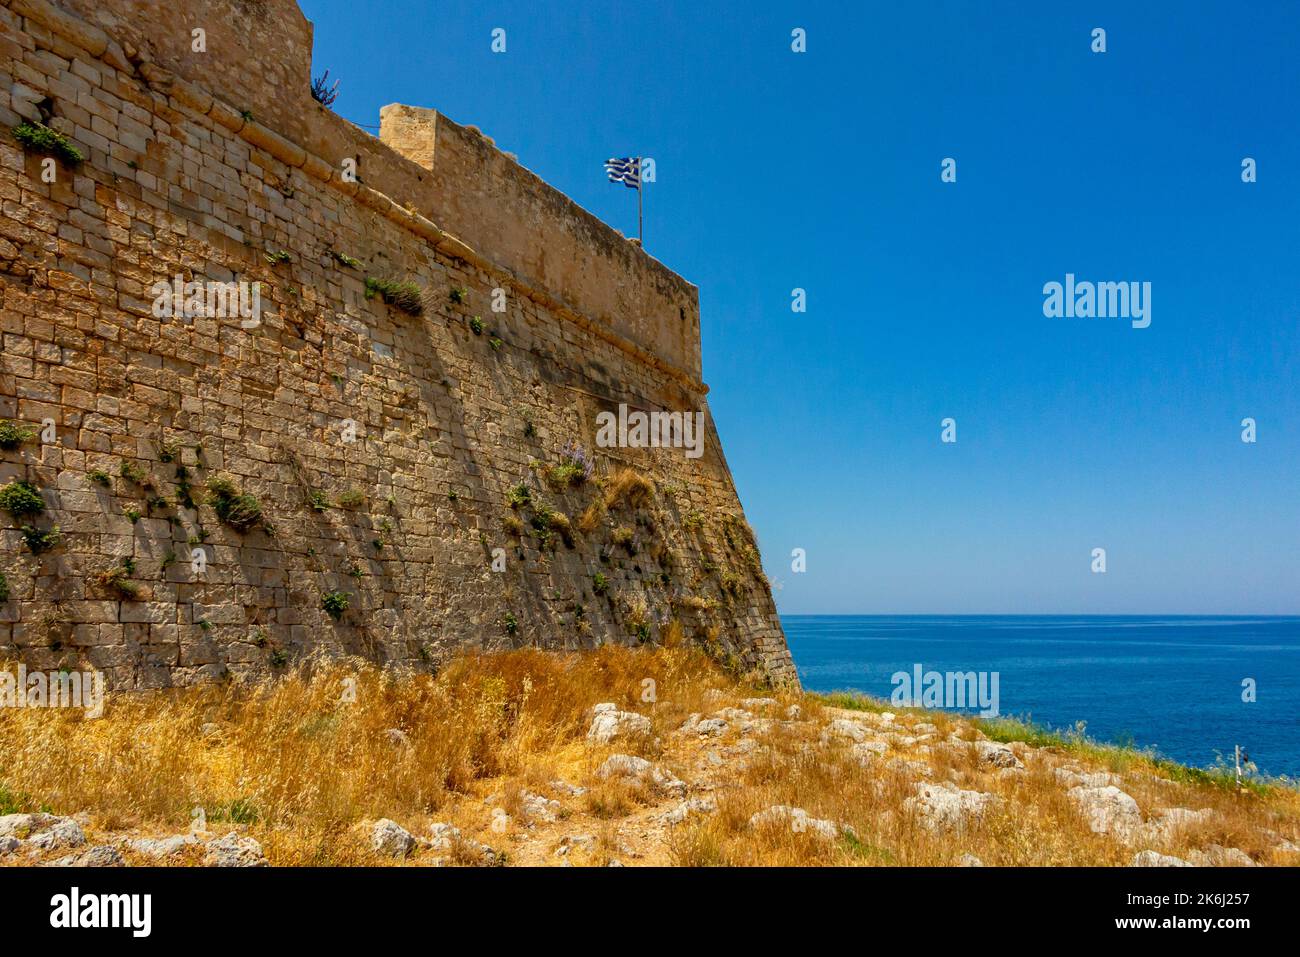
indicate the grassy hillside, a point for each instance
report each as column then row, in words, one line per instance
column 499, row 760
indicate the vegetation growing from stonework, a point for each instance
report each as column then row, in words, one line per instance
column 41, row 139
column 574, row 467
column 132, row 473
column 118, row 580
column 519, row 495
column 352, row 498
column 21, row 498
column 400, row 294
column 239, row 510
column 39, row 541
column 14, row 434
column 4, row 588
column 335, row 603
column 322, row 92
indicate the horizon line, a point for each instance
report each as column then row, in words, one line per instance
column 1028, row 614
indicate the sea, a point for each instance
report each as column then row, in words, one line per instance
column 1177, row 685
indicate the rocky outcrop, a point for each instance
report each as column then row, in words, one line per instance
column 609, row 724
column 1108, row 810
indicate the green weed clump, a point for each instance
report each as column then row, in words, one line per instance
column 239, row 510
column 14, row 434
column 20, row 498
column 41, row 139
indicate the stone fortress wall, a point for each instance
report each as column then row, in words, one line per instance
column 220, row 488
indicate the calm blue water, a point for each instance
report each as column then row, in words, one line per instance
column 1168, row 682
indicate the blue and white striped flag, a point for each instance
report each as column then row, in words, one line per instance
column 626, row 171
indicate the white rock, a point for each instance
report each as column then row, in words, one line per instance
column 794, row 712
column 797, row 819
column 998, row 755
column 695, row 805
column 867, row 751
column 630, row 766
column 573, row 790
column 734, row 714
column 845, row 728
column 907, row 766
column 571, row 841
column 159, row 847
column 8, row 845
column 1093, row 779
column 1170, row 819
column 1152, row 859
column 969, row 860
column 446, row 837
column 760, row 704
column 702, row 726
column 945, row 805
column 540, row 808
column 101, row 855
column 1212, row 855
column 1107, row 809
column 760, row 726
column 391, row 839
column 61, row 832
column 608, row 723
column 22, row 826
column 232, row 850
column 442, row 835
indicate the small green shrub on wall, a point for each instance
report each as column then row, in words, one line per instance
column 238, row 510
column 39, row 541
column 334, row 603
column 39, row 138
column 14, row 434
column 20, row 498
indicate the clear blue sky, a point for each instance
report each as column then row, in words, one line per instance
column 821, row 171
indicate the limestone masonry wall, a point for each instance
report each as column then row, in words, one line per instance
column 390, row 454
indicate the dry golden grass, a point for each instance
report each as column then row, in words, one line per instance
column 303, row 763
column 590, row 518
column 628, row 488
column 303, row 759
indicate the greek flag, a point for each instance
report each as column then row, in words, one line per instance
column 626, row 171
